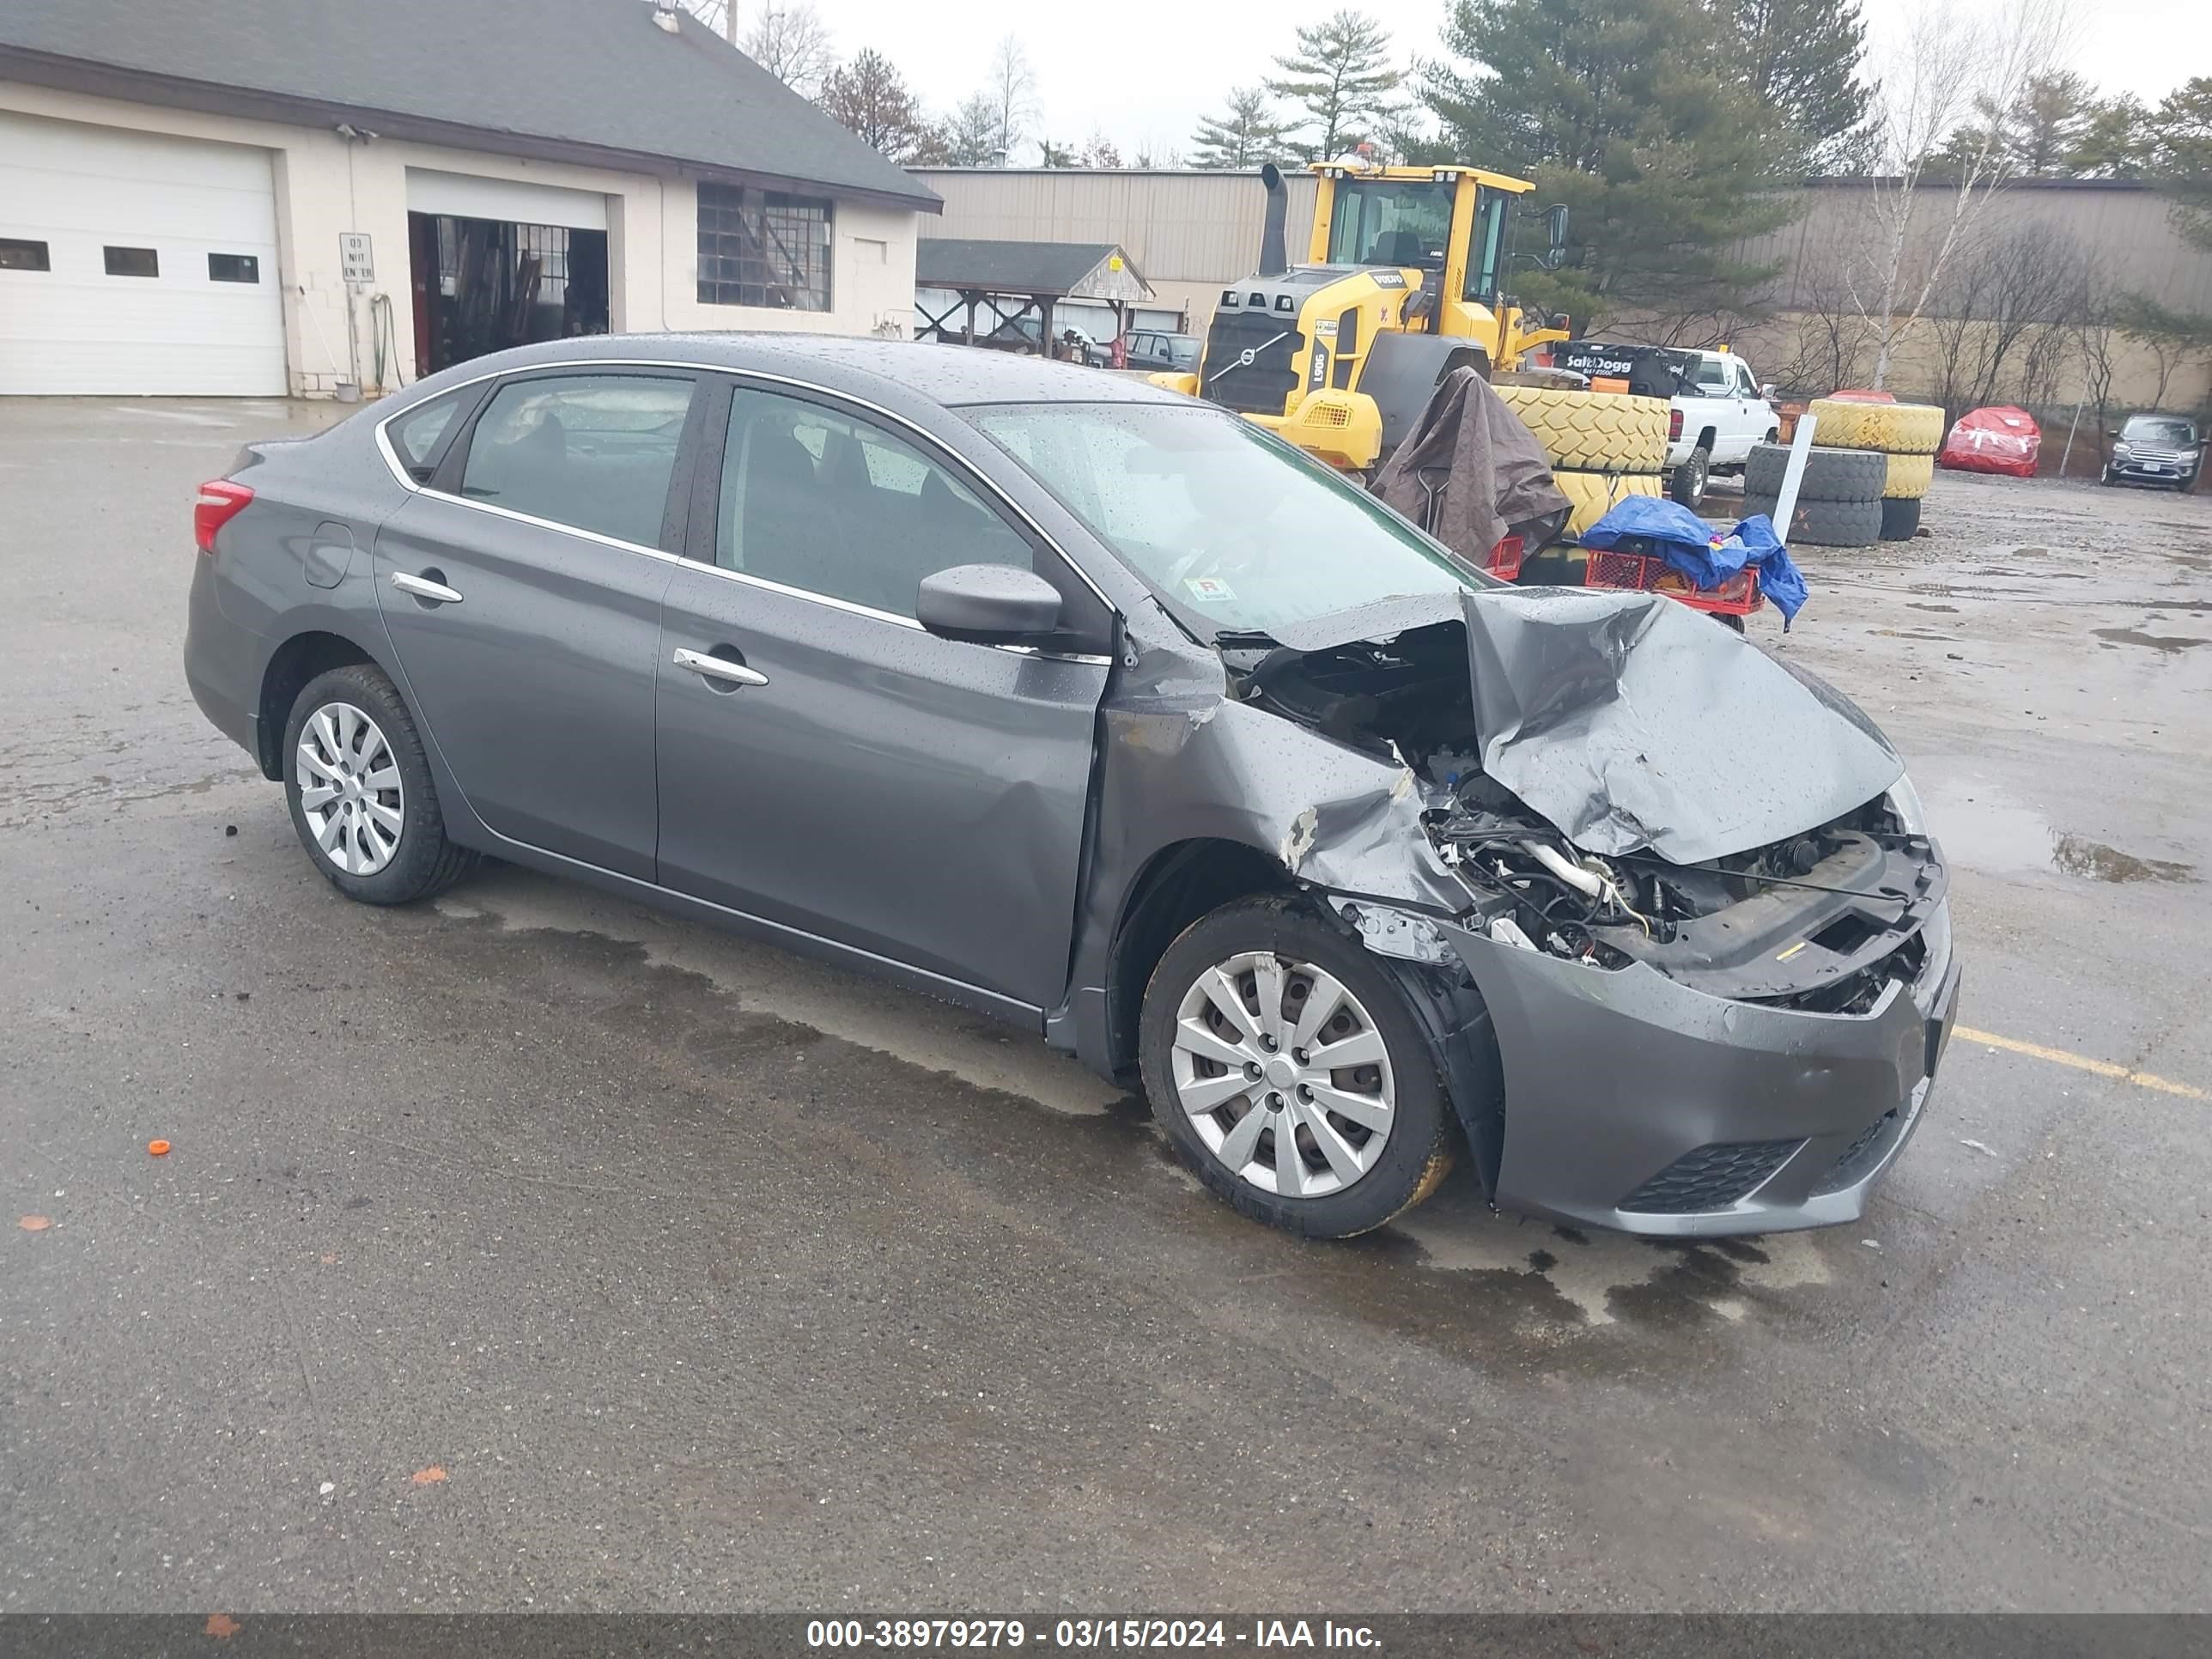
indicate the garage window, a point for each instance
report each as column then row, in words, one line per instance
column 233, row 268
column 16, row 255
column 132, row 262
column 592, row 451
column 763, row 247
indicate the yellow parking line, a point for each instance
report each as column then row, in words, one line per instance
column 2080, row 1063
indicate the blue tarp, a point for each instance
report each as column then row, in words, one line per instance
column 1673, row 533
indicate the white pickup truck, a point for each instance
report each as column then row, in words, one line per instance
column 1719, row 410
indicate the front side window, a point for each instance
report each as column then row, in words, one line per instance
column 1234, row 530
column 829, row 504
column 591, row 450
column 1390, row 222
column 763, row 247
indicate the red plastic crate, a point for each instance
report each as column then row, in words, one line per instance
column 1739, row 596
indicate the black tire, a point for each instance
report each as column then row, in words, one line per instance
column 1899, row 517
column 1685, row 484
column 1825, row 524
column 1418, row 1151
column 2105, row 478
column 1830, row 475
column 1733, row 623
column 422, row 861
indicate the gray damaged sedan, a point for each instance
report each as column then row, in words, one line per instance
column 1102, row 712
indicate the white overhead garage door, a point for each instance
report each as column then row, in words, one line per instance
column 131, row 263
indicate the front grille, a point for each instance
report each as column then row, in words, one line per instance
column 1711, row 1178
column 1264, row 385
column 1859, row 1158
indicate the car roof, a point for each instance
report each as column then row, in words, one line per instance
column 949, row 374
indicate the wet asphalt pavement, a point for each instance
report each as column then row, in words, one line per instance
column 529, row 1249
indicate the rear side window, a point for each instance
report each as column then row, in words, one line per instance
column 591, row 450
column 418, row 435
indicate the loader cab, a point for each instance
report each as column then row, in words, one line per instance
column 1449, row 223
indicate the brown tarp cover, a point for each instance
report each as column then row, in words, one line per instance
column 1485, row 472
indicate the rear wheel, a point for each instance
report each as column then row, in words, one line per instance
column 1282, row 1061
column 360, row 788
column 1688, row 484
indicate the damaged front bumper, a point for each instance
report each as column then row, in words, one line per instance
column 1636, row 1103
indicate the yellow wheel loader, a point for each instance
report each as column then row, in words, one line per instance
column 1405, row 282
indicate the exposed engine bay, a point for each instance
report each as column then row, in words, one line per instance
column 1821, row 920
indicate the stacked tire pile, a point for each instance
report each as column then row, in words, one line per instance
column 1602, row 445
column 1864, row 479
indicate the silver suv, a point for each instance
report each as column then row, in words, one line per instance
column 2164, row 449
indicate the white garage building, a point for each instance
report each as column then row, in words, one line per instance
column 257, row 198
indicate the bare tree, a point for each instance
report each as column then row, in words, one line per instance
column 1833, row 340
column 791, row 43
column 1935, row 181
column 1011, row 92
column 2008, row 316
column 1100, row 151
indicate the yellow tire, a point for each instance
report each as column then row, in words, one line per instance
column 1899, row 428
column 1594, row 493
column 1593, row 431
column 1909, row 477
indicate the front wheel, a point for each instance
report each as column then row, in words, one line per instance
column 360, row 788
column 1283, row 1062
column 1687, row 485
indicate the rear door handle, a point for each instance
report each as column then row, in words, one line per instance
column 720, row 668
column 423, row 588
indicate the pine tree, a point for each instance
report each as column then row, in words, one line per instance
column 1802, row 59
column 869, row 96
column 971, row 135
column 1247, row 135
column 2180, row 165
column 1634, row 115
column 1340, row 76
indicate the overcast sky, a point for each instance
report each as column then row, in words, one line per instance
column 1143, row 71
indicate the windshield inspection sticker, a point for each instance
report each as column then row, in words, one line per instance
column 1208, row 589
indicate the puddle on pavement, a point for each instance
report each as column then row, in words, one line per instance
column 2078, row 856
column 1590, row 1280
column 1915, row 605
column 1983, row 832
column 767, row 981
column 2168, row 643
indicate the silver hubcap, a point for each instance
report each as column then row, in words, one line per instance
column 1283, row 1075
column 349, row 789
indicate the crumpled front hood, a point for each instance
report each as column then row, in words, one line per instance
column 1629, row 721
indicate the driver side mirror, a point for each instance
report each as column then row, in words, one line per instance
column 987, row 604
column 1555, row 223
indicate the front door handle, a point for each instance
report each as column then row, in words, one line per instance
column 423, row 588
column 720, row 668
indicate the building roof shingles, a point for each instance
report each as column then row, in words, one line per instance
column 597, row 76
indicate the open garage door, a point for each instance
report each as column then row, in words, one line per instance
column 133, row 263
column 497, row 263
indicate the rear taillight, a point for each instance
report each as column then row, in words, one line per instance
column 1673, row 425
column 218, row 504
